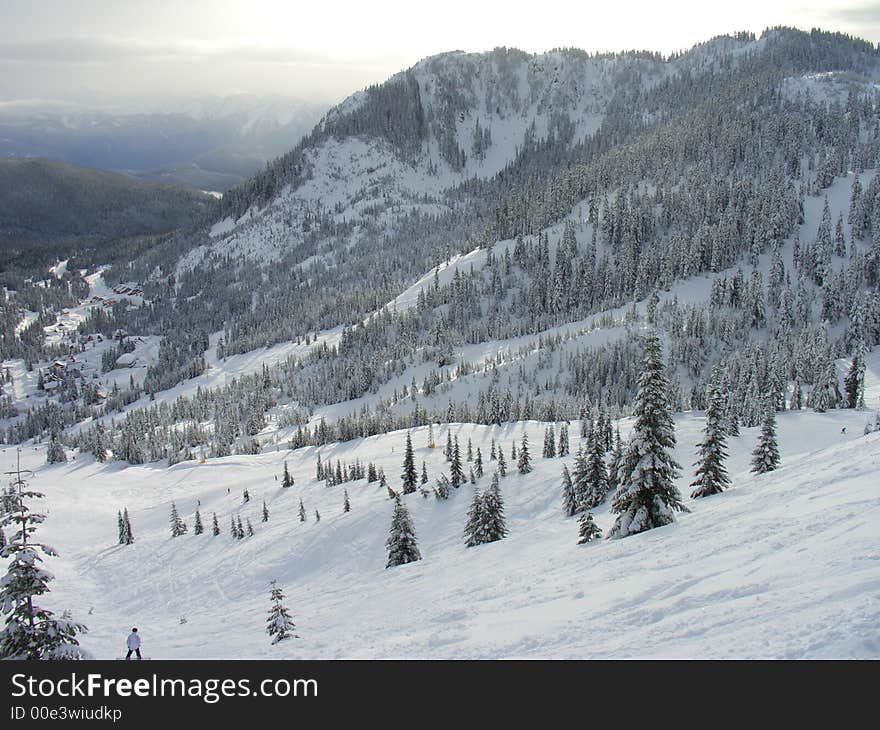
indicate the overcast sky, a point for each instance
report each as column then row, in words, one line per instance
column 119, row 52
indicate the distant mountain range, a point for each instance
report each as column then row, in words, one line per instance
column 47, row 200
column 210, row 144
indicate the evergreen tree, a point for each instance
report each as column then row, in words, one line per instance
column 647, row 496
column 128, row 535
column 478, row 464
column 765, row 456
column 492, row 454
column 2, row 540
column 614, row 466
column 287, row 479
column 402, row 545
column 424, row 479
column 279, row 624
column 265, row 515
column 215, row 526
column 711, row 476
column 239, row 529
column 581, row 479
column 233, row 530
column 549, row 443
column 473, row 529
column 198, row 529
column 447, row 452
column 570, row 501
column 409, row 475
column 31, row 631
column 502, row 466
column 456, row 472
column 597, row 474
column 55, row 452
column 178, row 526
column 441, row 490
column 826, row 392
column 121, row 525
column 246, row 497
column 587, row 528
column 854, row 383
column 470, row 451
column 346, row 504
column 250, row 528
column 494, row 526
column 563, row 440
column 525, row 461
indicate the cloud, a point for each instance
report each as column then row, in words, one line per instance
column 104, row 51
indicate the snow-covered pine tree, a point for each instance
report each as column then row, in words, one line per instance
column 302, row 511
column 441, row 490
column 2, row 539
column 121, row 525
column 215, row 526
column 549, row 450
column 492, row 452
column 246, row 497
column 765, row 456
column 854, row 383
column 198, row 529
column 614, row 466
column 826, row 392
column 456, row 472
column 402, row 544
column 473, row 529
column 524, row 463
column 478, row 464
column 470, row 451
column 287, row 479
column 409, row 475
column 55, row 452
column 178, row 526
column 346, row 503
column 279, row 624
column 502, row 465
column 424, row 478
column 265, row 512
column 494, row 526
column 597, row 473
column 563, row 440
column 513, row 456
column 128, row 535
column 647, row 496
column 250, row 528
column 711, row 476
column 447, row 452
column 588, row 530
column 570, row 502
column 239, row 529
column 581, row 478
column 31, row 631
column 233, row 530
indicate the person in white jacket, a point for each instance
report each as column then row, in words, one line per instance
column 134, row 644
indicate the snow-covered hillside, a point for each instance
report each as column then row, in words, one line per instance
column 782, row 565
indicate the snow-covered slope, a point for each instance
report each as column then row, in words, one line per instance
column 783, row 565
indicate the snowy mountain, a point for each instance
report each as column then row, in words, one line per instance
column 477, row 248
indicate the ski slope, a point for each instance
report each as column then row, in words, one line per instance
column 783, row 565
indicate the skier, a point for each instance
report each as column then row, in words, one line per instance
column 134, row 644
